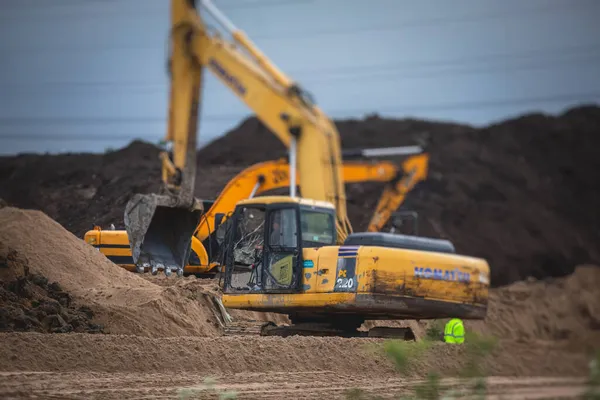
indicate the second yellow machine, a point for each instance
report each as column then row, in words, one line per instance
column 256, row 180
column 289, row 254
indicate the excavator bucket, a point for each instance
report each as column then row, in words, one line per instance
column 160, row 232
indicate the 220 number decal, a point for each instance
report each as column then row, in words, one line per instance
column 345, row 283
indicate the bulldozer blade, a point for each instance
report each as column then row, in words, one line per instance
column 160, row 232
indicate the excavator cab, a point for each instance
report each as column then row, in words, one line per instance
column 263, row 248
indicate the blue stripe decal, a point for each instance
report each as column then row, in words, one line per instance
column 348, row 251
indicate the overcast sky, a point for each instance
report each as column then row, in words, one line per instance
column 87, row 75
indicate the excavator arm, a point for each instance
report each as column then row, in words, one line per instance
column 414, row 170
column 271, row 175
column 282, row 106
column 160, row 227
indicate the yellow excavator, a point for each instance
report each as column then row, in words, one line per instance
column 289, row 254
column 264, row 177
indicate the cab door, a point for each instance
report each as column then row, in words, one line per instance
column 281, row 268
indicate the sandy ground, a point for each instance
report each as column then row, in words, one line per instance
column 167, row 334
column 300, row 385
column 239, row 354
column 84, row 366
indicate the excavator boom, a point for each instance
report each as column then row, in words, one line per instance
column 161, row 226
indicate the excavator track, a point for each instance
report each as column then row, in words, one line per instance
column 314, row 329
column 245, row 328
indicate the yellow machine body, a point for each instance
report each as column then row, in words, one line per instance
column 387, row 284
column 353, row 281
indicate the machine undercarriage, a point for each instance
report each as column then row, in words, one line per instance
column 325, row 329
column 321, row 329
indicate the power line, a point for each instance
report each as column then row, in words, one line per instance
column 469, row 105
column 397, row 26
column 372, row 74
column 561, row 51
column 66, row 7
column 391, row 75
column 84, row 138
column 473, row 105
column 424, row 22
column 204, row 137
column 385, row 76
column 99, row 120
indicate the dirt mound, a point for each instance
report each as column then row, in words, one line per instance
column 252, row 142
column 78, row 190
column 564, row 309
column 192, row 287
column 29, row 302
column 123, row 302
column 521, row 193
column 552, row 310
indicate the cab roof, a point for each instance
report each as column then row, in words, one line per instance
column 268, row 200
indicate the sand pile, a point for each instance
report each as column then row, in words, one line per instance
column 563, row 309
column 121, row 301
column 550, row 310
column 29, row 302
column 192, row 287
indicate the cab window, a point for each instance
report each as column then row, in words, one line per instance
column 282, row 257
column 317, row 228
column 248, row 240
column 284, row 230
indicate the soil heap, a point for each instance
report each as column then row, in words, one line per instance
column 521, row 193
column 29, row 302
column 553, row 309
column 36, row 247
column 536, row 311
